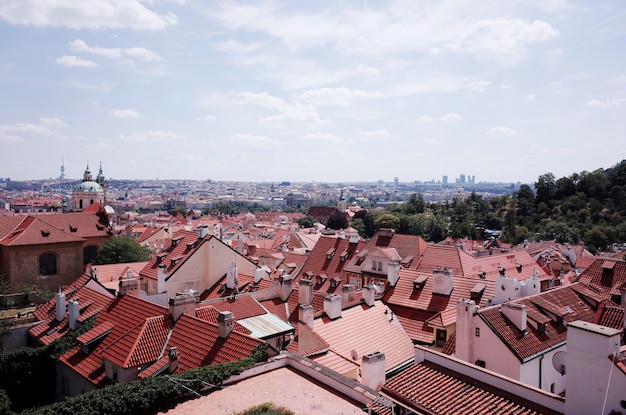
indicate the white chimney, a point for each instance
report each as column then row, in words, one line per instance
column 531, row 286
column 286, row 285
column 464, row 348
column 94, row 273
column 373, row 370
column 305, row 291
column 393, row 272
column 443, row 281
column 74, row 313
column 60, row 300
column 183, row 303
column 591, row 349
column 128, row 286
column 225, row 322
column 203, row 231
column 161, row 277
column 369, row 294
column 332, row 306
column 506, row 289
column 130, row 274
column 516, row 313
column 232, row 279
column 173, row 355
column 306, row 315
column 354, row 238
column 347, row 294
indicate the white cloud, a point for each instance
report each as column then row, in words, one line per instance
column 609, row 103
column 320, row 137
column 478, row 86
column 206, row 118
column 93, row 14
column 143, row 53
column 380, row 134
column 506, row 86
column 530, row 98
column 424, row 119
column 286, row 112
column 337, row 96
column 53, row 122
column 451, row 117
column 125, row 113
column 503, row 36
column 76, row 62
column 15, row 132
column 161, row 136
column 80, row 46
column 10, row 138
column 254, row 139
column 501, row 132
column 368, row 70
column 236, row 47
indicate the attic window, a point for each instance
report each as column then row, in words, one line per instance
column 45, row 232
column 308, row 275
column 518, row 267
column 190, row 245
column 406, row 262
column 160, row 257
column 334, row 282
column 175, row 241
column 360, row 257
column 477, row 292
column 321, row 278
column 99, row 227
column 541, row 328
column 344, row 256
column 330, row 253
column 482, row 275
column 608, row 265
column 73, row 229
column 175, row 260
column 419, row 282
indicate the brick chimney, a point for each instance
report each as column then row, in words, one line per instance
column 369, row 294
column 286, row 285
column 74, row 313
column 225, row 322
column 332, row 306
column 173, row 354
column 128, row 286
column 306, row 314
column 305, row 291
column 161, row 276
column 183, row 303
column 373, row 370
column 516, row 313
column 443, row 281
column 60, row 303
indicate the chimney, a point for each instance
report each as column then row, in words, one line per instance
column 531, row 286
column 347, row 294
column 305, row 291
column 94, row 273
column 590, row 356
column 465, row 311
column 393, row 272
column 369, row 294
column 305, row 315
column 354, row 239
column 332, row 306
column 183, row 303
column 161, row 277
column 60, row 297
column 286, row 285
column 506, row 289
column 128, row 286
column 203, row 231
column 225, row 321
column 443, row 281
column 259, row 274
column 130, row 274
column 516, row 313
column 173, row 354
column 232, row 279
column 74, row 313
column 373, row 370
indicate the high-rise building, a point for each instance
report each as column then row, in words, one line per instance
column 445, row 180
column 462, row 179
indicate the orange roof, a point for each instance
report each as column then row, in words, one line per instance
column 605, row 276
column 182, row 245
column 33, row 231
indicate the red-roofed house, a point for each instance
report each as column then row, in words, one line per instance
column 605, row 276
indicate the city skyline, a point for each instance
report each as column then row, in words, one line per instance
column 330, row 92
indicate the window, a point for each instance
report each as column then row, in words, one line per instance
column 552, row 388
column 477, row 331
column 48, row 264
column 481, row 363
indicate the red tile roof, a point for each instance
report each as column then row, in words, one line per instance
column 210, row 314
column 246, row 285
column 430, row 388
column 605, row 276
column 34, row 231
column 188, row 243
column 241, row 306
column 410, row 248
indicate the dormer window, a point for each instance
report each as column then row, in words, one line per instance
column 377, row 265
column 160, row 257
column 482, row 275
column 308, row 275
column 343, row 256
column 406, row 262
column 175, row 261
column 321, row 278
column 419, row 282
column 330, row 253
column 73, row 229
column 334, row 282
column 176, row 241
column 45, row 233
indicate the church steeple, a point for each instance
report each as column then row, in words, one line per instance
column 87, row 177
column 100, row 178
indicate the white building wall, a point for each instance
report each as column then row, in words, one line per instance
column 489, row 348
column 540, row 373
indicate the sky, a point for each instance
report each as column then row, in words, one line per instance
column 325, row 91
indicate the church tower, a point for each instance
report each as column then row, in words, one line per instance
column 342, row 204
column 88, row 192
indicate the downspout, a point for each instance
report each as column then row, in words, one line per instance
column 540, row 370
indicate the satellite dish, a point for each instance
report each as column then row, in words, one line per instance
column 558, row 361
column 354, row 354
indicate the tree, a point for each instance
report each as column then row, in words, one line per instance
column 121, row 249
column 387, row 220
column 337, row 221
column 307, row 222
column 546, row 188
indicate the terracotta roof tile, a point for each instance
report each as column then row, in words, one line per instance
column 605, row 276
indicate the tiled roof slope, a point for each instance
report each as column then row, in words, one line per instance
column 79, row 224
column 568, row 303
column 182, row 245
column 211, row 314
column 241, row 306
column 246, row 285
column 34, row 231
column 199, row 345
column 516, row 264
column 605, row 276
column 410, row 248
column 432, row 389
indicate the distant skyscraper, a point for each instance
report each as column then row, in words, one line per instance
column 445, row 180
column 62, row 176
column 395, row 182
column 462, row 179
